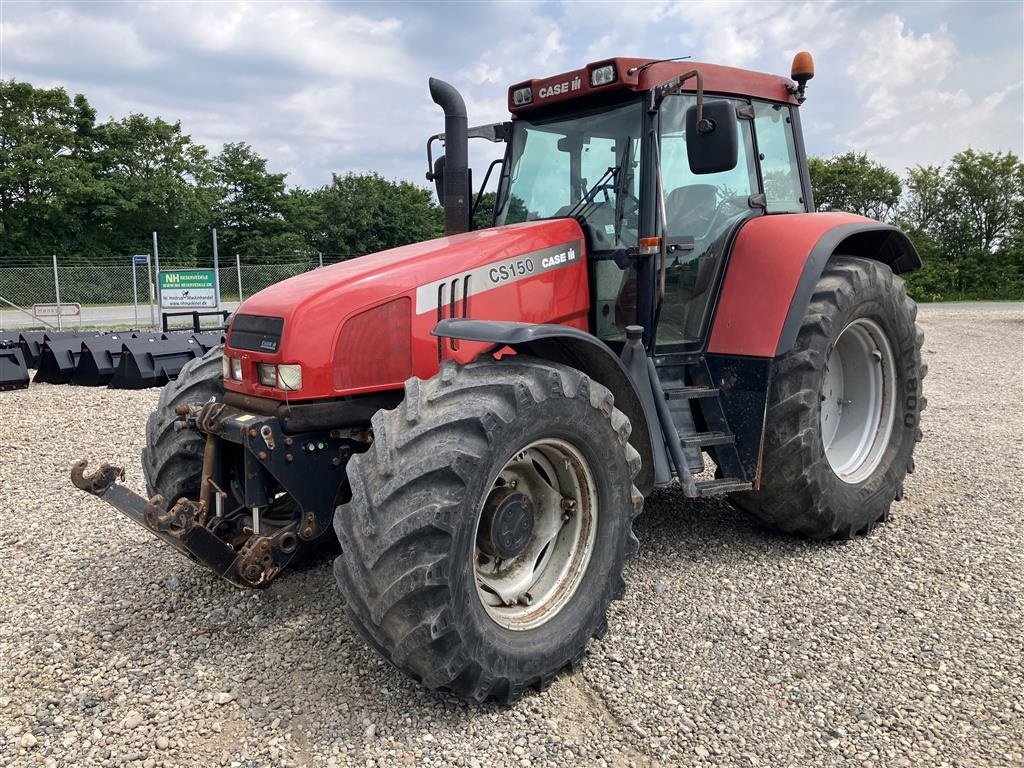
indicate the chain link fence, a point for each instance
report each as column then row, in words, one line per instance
column 117, row 295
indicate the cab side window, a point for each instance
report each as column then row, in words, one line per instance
column 701, row 209
column 777, row 153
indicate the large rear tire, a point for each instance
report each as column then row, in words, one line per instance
column 844, row 408
column 488, row 526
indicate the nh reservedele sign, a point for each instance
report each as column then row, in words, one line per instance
column 187, row 289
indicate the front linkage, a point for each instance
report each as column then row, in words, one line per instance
column 225, row 529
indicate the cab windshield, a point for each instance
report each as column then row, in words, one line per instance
column 585, row 166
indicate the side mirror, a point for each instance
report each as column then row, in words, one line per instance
column 439, row 179
column 713, row 145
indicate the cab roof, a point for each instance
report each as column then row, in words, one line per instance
column 639, row 75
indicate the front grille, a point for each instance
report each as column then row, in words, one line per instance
column 256, row 333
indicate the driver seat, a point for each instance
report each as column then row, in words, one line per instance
column 686, row 207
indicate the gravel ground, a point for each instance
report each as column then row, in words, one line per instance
column 734, row 645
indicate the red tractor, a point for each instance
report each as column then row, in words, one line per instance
column 477, row 419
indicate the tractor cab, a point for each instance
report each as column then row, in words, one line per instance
column 653, row 159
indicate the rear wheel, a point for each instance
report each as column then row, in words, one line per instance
column 488, row 526
column 844, row 408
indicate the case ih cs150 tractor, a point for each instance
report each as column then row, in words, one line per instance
column 476, row 419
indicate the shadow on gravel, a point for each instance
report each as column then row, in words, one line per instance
column 698, row 528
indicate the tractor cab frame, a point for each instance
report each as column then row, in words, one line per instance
column 658, row 209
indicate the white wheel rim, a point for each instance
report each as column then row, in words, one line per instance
column 858, row 403
column 529, row 589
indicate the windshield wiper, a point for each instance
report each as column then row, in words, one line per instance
column 618, row 176
column 589, row 194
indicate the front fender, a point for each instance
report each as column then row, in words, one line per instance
column 587, row 353
column 776, row 263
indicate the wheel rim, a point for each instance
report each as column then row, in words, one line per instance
column 857, row 400
column 535, row 534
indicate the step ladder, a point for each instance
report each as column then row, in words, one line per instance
column 700, row 425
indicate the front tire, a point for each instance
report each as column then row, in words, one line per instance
column 172, row 460
column 844, row 407
column 457, row 493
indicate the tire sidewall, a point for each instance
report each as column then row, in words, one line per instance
column 865, row 502
column 523, row 653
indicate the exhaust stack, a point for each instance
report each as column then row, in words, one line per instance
column 455, row 169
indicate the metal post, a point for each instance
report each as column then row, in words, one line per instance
column 156, row 260
column 238, row 268
column 320, row 256
column 216, row 269
column 56, row 289
column 135, row 292
column 152, row 291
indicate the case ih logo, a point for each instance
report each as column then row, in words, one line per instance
column 558, row 89
column 496, row 274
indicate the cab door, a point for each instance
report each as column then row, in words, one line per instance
column 701, row 211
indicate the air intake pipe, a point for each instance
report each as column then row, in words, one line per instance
column 455, row 170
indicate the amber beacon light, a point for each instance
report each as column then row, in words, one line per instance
column 801, row 72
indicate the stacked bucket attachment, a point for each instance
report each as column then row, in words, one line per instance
column 31, row 343
column 57, row 360
column 101, row 357
column 13, row 371
column 121, row 360
column 148, row 363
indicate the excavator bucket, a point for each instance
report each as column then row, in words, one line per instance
column 31, row 343
column 57, row 360
column 13, row 371
column 101, row 356
column 146, row 363
column 209, row 339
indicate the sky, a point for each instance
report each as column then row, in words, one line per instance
column 320, row 88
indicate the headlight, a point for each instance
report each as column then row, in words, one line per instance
column 236, row 369
column 287, row 377
column 268, row 374
column 521, row 96
column 603, row 75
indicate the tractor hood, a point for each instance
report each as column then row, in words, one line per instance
column 508, row 273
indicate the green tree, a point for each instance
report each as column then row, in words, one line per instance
column 252, row 214
column 156, row 179
column 365, row 213
column 984, row 194
column 46, row 171
column 967, row 221
column 855, row 183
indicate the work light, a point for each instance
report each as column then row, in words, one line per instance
column 521, row 96
column 602, row 75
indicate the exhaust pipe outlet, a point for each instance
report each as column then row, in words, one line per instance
column 456, row 198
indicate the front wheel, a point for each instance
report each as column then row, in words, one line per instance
column 844, row 407
column 488, row 526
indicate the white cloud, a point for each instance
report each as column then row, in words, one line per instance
column 322, row 87
column 918, row 101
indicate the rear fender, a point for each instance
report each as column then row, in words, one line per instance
column 580, row 350
column 774, row 267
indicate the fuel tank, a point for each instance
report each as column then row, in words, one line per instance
column 364, row 325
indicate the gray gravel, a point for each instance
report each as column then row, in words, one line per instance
column 734, row 645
